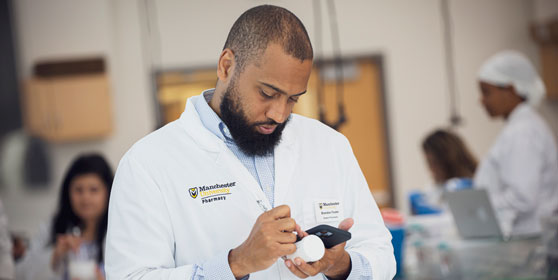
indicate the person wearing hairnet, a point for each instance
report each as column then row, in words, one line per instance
column 520, row 171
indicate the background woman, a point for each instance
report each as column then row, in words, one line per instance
column 78, row 229
column 452, row 167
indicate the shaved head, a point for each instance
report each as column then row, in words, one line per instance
column 256, row 28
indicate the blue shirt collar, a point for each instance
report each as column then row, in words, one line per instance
column 210, row 119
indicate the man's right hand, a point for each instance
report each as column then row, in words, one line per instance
column 271, row 237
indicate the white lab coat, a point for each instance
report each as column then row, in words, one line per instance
column 520, row 173
column 36, row 264
column 157, row 230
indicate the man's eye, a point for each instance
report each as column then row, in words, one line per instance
column 265, row 94
column 294, row 99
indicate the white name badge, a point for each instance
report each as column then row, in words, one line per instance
column 328, row 211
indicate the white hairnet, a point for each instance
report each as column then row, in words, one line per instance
column 512, row 68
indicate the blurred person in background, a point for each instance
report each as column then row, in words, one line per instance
column 520, row 172
column 6, row 259
column 19, row 243
column 79, row 226
column 452, row 167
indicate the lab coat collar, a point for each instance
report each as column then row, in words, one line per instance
column 208, row 117
column 190, row 120
column 519, row 111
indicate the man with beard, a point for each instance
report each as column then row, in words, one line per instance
column 221, row 192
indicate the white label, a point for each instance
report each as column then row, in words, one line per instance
column 328, row 211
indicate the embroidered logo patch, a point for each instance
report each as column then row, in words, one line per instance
column 193, row 192
column 212, row 193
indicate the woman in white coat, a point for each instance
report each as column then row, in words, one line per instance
column 78, row 227
column 520, row 171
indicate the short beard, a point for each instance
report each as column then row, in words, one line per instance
column 244, row 134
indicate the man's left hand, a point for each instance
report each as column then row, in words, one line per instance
column 336, row 262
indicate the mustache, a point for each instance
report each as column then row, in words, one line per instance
column 268, row 122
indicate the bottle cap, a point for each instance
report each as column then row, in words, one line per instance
column 310, row 249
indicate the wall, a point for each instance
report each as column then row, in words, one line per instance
column 406, row 33
column 191, row 33
column 409, row 34
column 68, row 28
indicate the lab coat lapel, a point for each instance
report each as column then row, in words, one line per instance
column 231, row 164
column 286, row 158
column 194, row 127
column 225, row 160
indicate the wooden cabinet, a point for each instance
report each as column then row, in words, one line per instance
column 175, row 87
column 549, row 63
column 545, row 35
column 68, row 108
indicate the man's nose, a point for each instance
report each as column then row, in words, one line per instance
column 279, row 111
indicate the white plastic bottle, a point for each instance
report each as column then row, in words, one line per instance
column 309, row 249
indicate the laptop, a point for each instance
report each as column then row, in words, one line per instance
column 473, row 214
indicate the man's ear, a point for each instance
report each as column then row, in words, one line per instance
column 226, row 65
